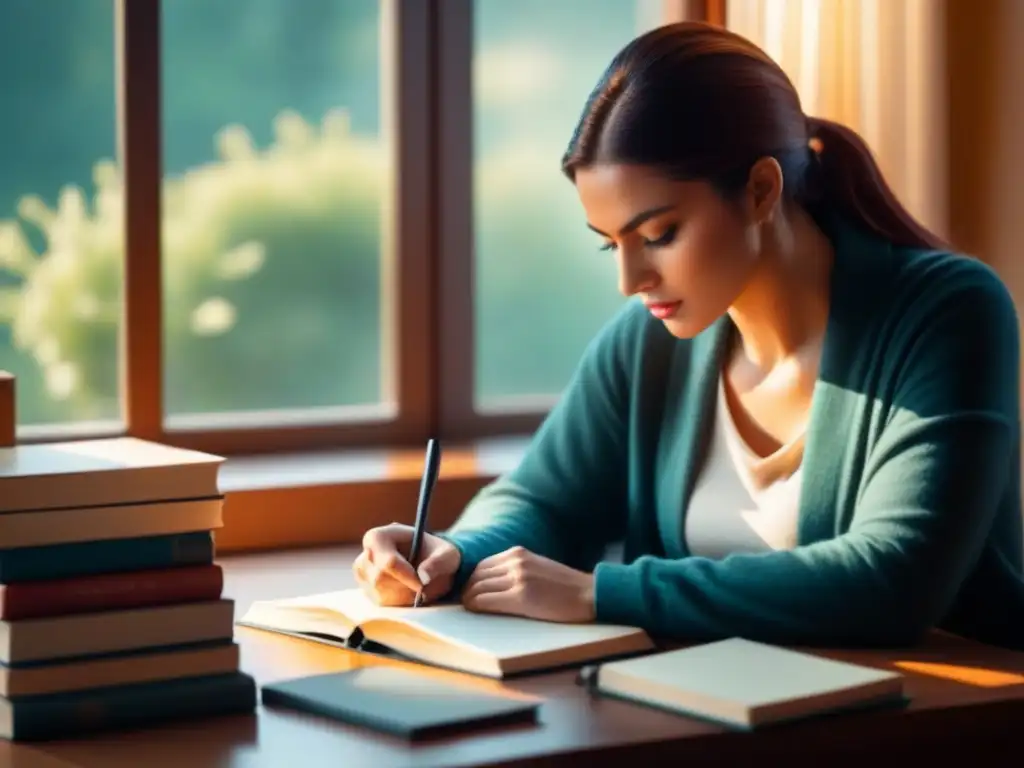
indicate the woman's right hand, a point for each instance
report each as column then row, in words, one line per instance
column 385, row 575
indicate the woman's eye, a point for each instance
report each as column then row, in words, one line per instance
column 665, row 239
column 660, row 242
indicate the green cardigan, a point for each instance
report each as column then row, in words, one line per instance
column 910, row 509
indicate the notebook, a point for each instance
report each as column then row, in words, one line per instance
column 400, row 702
column 745, row 684
column 446, row 635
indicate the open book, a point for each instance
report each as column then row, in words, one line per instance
column 746, row 685
column 448, row 635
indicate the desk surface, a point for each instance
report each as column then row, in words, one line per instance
column 962, row 694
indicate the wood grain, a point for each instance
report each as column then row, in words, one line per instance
column 964, row 695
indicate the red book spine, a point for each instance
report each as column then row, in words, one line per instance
column 110, row 592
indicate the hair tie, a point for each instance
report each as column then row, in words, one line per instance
column 814, row 180
column 813, row 130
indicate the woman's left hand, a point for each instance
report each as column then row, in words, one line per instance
column 521, row 583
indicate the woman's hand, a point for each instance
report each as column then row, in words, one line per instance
column 521, row 583
column 384, row 574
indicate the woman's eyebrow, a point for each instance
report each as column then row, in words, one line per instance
column 637, row 220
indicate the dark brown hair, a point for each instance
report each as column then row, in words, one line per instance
column 701, row 103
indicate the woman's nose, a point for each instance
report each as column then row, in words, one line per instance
column 635, row 275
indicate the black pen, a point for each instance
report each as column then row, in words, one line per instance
column 430, row 472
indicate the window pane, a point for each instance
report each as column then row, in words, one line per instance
column 275, row 175
column 60, row 210
column 543, row 289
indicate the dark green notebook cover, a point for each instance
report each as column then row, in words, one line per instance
column 88, row 558
column 399, row 701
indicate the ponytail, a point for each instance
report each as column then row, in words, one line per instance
column 850, row 180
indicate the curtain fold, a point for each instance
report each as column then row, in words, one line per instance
column 877, row 66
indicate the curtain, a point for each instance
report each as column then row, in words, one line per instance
column 876, row 66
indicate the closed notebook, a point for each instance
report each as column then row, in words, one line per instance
column 399, row 701
column 447, row 635
column 746, row 685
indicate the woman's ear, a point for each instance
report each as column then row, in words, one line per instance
column 764, row 190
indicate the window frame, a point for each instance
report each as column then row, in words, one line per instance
column 427, row 261
column 427, row 265
column 407, row 264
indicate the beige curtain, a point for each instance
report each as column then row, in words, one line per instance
column 876, row 66
column 1008, row 216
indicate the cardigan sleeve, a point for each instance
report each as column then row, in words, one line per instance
column 566, row 498
column 930, row 491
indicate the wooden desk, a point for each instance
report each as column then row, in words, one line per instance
column 966, row 698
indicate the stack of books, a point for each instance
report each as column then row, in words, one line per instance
column 111, row 606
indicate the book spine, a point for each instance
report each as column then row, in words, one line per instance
column 63, row 561
column 57, row 716
column 129, row 653
column 107, row 592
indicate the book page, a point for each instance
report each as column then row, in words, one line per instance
column 355, row 604
column 495, row 635
column 507, row 637
column 312, row 614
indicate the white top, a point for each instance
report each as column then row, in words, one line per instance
column 742, row 502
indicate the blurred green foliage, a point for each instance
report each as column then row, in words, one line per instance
column 273, row 217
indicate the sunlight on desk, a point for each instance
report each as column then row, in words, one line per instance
column 976, row 676
column 410, row 464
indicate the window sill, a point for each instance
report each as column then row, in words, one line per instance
column 289, row 500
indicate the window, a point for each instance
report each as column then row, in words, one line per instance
column 542, row 288
column 272, row 227
column 266, row 226
column 523, row 287
column 276, row 173
column 61, row 212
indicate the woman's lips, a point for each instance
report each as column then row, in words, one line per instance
column 663, row 310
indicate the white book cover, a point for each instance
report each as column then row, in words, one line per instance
column 746, row 683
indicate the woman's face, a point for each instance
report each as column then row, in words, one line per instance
column 681, row 247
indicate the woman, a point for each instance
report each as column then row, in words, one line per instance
column 806, row 427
